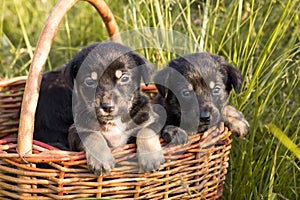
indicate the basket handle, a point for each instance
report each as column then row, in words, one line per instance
column 32, row 87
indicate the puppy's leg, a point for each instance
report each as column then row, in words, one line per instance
column 170, row 133
column 74, row 140
column 235, row 121
column 149, row 152
column 174, row 135
column 98, row 154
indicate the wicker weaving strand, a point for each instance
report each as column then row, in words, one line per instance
column 30, row 169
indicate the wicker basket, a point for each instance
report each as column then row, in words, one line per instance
column 30, row 169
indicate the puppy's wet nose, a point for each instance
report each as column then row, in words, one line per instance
column 108, row 107
column 205, row 116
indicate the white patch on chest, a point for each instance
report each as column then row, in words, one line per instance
column 115, row 133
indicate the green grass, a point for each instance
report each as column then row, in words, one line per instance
column 261, row 38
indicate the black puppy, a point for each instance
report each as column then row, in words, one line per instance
column 108, row 107
column 194, row 90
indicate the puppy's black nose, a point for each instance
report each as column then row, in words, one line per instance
column 108, row 107
column 205, row 116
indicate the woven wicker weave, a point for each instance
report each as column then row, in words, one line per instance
column 192, row 171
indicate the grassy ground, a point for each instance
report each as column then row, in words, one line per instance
column 262, row 38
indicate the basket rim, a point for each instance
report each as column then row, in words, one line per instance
column 199, row 143
column 54, row 154
column 12, row 81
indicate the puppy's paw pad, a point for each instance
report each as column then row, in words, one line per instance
column 103, row 162
column 151, row 160
column 174, row 135
column 239, row 127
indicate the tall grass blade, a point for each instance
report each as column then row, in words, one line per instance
column 284, row 139
column 25, row 35
column 1, row 21
column 204, row 26
column 272, row 176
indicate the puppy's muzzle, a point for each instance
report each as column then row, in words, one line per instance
column 205, row 117
column 107, row 107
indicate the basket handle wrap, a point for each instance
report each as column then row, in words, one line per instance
column 31, row 93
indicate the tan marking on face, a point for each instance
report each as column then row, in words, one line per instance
column 211, row 84
column 94, row 76
column 118, row 74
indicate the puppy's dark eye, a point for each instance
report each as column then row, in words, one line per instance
column 216, row 90
column 124, row 79
column 89, row 82
column 186, row 93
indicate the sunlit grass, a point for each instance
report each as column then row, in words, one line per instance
column 261, row 38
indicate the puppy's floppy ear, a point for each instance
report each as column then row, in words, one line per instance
column 234, row 76
column 74, row 65
column 72, row 68
column 160, row 80
column 145, row 67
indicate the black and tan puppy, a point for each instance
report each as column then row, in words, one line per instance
column 107, row 108
column 194, row 90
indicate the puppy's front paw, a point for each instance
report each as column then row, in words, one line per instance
column 174, row 135
column 100, row 161
column 235, row 121
column 238, row 126
column 149, row 161
column 149, row 152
